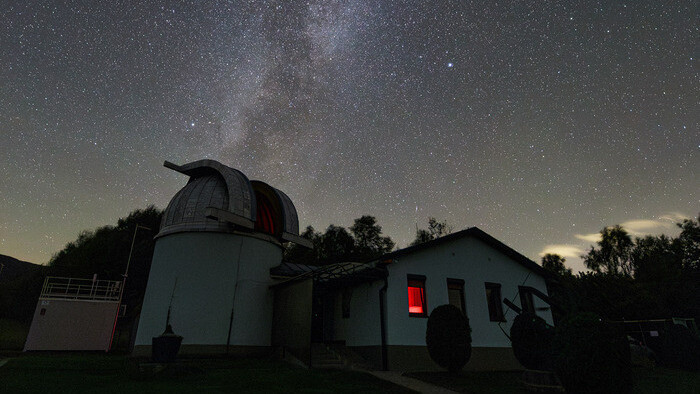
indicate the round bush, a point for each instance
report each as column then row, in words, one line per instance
column 448, row 337
column 592, row 356
column 531, row 338
column 680, row 348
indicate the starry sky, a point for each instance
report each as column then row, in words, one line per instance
column 540, row 122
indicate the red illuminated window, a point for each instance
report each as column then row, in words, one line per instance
column 264, row 221
column 417, row 307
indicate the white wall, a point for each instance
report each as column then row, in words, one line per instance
column 363, row 327
column 465, row 258
column 205, row 266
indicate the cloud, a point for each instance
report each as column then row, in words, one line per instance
column 594, row 237
column 563, row 250
column 674, row 217
column 645, row 226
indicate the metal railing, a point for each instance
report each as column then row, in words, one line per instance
column 82, row 289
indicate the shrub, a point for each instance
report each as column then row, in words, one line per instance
column 531, row 338
column 592, row 356
column 680, row 348
column 448, row 337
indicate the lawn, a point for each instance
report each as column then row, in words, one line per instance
column 647, row 381
column 119, row 374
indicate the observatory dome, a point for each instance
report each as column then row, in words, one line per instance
column 218, row 198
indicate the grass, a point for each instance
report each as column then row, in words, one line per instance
column 12, row 334
column 646, row 381
column 118, row 374
column 475, row 382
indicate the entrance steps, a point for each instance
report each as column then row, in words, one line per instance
column 324, row 357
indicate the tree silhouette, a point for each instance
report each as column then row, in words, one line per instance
column 688, row 244
column 435, row 230
column 555, row 263
column 369, row 243
column 613, row 253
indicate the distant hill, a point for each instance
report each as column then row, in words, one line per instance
column 14, row 268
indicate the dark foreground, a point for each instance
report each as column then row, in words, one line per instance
column 646, row 381
column 119, row 374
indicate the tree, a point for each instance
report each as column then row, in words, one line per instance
column 105, row 252
column 435, row 230
column 336, row 245
column 688, row 244
column 654, row 259
column 613, row 253
column 298, row 254
column 555, row 263
column 369, row 242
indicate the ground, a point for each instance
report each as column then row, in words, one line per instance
column 646, row 381
column 120, row 374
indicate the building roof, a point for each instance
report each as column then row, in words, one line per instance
column 342, row 274
column 473, row 232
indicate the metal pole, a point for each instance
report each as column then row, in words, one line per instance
column 125, row 275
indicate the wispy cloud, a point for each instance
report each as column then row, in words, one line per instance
column 563, row 250
column 673, row 217
column 593, row 237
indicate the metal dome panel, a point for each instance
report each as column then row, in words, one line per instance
column 211, row 185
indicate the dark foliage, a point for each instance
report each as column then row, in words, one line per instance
column 592, row 356
column 680, row 348
column 105, row 252
column 555, row 264
column 363, row 242
column 448, row 337
column 435, row 230
column 18, row 296
column 531, row 339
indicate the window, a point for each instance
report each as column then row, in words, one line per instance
column 455, row 294
column 526, row 301
column 417, row 307
column 493, row 297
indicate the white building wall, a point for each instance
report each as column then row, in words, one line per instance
column 465, row 258
column 362, row 327
column 205, row 265
column 476, row 263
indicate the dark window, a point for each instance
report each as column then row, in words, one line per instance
column 493, row 297
column 526, row 301
column 455, row 294
column 417, row 306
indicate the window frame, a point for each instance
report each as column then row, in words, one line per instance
column 493, row 292
column 527, row 301
column 417, row 281
column 457, row 284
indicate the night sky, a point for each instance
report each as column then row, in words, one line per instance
column 539, row 122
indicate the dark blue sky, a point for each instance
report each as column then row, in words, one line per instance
column 539, row 122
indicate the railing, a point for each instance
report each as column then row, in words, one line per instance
column 82, row 289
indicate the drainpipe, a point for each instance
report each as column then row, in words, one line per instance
column 382, row 321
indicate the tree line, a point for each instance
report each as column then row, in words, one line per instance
column 650, row 277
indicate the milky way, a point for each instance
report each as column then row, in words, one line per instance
column 539, row 122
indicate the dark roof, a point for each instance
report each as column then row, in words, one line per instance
column 475, row 233
column 328, row 277
column 291, row 270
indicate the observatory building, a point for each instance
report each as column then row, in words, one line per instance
column 218, row 278
column 210, row 275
